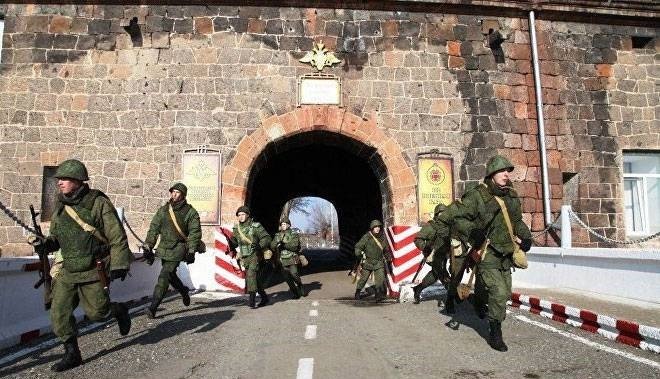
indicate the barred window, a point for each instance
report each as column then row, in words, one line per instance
column 641, row 185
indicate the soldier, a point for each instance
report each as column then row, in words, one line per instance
column 427, row 242
column 371, row 249
column 480, row 216
column 287, row 243
column 85, row 227
column 177, row 224
column 253, row 240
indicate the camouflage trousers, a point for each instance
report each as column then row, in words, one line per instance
column 254, row 281
column 66, row 296
column 456, row 276
column 438, row 271
column 493, row 287
column 292, row 277
column 379, row 278
column 166, row 278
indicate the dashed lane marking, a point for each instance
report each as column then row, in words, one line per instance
column 314, row 312
column 315, row 303
column 310, row 332
column 305, row 368
column 590, row 343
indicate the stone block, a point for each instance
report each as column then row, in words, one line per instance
column 65, row 41
column 203, row 25
column 59, row 24
column 99, row 27
column 36, row 24
column 183, row 26
column 238, row 25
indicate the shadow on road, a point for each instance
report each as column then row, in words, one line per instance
column 466, row 315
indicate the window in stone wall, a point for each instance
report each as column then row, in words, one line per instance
column 641, row 185
column 48, row 193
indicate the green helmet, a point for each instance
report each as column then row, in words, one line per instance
column 181, row 188
column 374, row 224
column 286, row 220
column 243, row 208
column 498, row 163
column 73, row 169
column 439, row 209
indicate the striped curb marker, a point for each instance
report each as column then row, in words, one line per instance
column 620, row 330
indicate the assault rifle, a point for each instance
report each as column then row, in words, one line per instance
column 355, row 270
column 231, row 248
column 44, row 263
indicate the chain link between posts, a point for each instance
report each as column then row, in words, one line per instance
column 577, row 219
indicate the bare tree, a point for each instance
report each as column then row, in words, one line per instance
column 299, row 204
column 321, row 222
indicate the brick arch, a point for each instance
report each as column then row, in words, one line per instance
column 399, row 178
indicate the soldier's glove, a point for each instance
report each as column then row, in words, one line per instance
column 118, row 274
column 428, row 249
column 280, row 245
column 148, row 254
column 526, row 244
column 477, row 237
column 34, row 241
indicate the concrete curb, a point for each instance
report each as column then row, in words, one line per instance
column 620, row 330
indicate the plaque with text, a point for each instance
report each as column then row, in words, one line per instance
column 319, row 89
column 201, row 174
column 436, row 184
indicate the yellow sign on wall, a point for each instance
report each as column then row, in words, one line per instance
column 435, row 178
column 201, row 174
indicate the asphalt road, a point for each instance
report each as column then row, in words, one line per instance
column 335, row 337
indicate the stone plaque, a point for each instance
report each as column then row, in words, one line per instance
column 319, row 90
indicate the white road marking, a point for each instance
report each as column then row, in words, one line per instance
column 314, row 312
column 315, row 303
column 305, row 368
column 310, row 332
column 590, row 343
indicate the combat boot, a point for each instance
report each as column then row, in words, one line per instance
column 449, row 305
column 380, row 295
column 252, row 300
column 294, row 293
column 71, row 356
column 417, row 292
column 120, row 312
column 185, row 296
column 151, row 310
column 357, row 294
column 495, row 339
column 264, row 299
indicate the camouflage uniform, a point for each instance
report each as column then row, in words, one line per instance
column 252, row 239
column 372, row 249
column 173, row 247
column 426, row 240
column 78, row 280
column 479, row 217
column 287, row 244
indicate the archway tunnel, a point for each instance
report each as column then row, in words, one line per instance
column 344, row 171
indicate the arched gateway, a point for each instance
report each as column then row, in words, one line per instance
column 323, row 151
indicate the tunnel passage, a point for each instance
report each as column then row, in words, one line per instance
column 346, row 172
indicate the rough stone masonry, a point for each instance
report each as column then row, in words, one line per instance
column 126, row 88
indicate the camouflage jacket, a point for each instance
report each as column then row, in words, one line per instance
column 290, row 247
column 250, row 237
column 172, row 246
column 372, row 253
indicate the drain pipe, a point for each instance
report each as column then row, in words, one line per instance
column 540, row 120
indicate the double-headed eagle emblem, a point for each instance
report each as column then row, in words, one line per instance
column 320, row 57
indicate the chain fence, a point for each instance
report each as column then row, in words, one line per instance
column 591, row 231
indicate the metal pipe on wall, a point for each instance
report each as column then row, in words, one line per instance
column 540, row 120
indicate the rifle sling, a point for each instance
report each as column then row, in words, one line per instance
column 176, row 224
column 85, row 226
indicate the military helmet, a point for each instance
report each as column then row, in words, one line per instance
column 498, row 163
column 73, row 169
column 243, row 208
column 181, row 188
column 286, row 220
column 439, row 209
column 374, row 224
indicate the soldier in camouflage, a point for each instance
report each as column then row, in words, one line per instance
column 287, row 243
column 86, row 228
column 372, row 250
column 177, row 224
column 253, row 242
column 479, row 216
column 426, row 241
